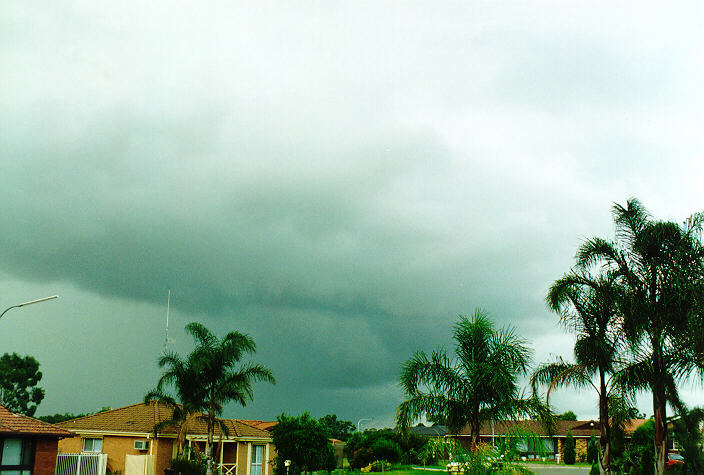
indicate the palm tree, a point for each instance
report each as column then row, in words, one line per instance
column 211, row 377
column 660, row 266
column 181, row 416
column 186, row 406
column 479, row 385
column 588, row 307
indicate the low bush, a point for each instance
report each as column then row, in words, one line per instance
column 187, row 467
column 377, row 466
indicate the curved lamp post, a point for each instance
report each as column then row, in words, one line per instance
column 28, row 303
column 359, row 423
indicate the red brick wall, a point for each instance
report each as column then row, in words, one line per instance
column 163, row 453
column 45, row 457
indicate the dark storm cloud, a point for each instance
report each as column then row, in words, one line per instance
column 339, row 183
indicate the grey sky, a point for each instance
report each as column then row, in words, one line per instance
column 338, row 179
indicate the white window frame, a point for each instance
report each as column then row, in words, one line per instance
column 93, row 442
column 252, row 464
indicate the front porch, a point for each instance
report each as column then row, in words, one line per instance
column 234, row 456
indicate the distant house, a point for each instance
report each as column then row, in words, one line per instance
column 128, row 431
column 534, row 440
column 27, row 446
column 436, row 430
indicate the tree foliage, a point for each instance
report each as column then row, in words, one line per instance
column 365, row 447
column 592, row 450
column 687, row 432
column 336, row 428
column 67, row 416
column 478, row 385
column 639, row 455
column 304, row 441
column 19, row 376
column 566, row 416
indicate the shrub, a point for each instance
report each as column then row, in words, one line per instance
column 592, row 450
column 187, row 467
column 360, row 458
column 570, row 449
column 639, row 457
column 377, row 466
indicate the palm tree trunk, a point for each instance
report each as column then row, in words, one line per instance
column 604, row 429
column 475, row 425
column 659, row 410
column 209, row 445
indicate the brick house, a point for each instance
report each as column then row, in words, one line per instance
column 28, row 446
column 129, row 431
column 537, row 441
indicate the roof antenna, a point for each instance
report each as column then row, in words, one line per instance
column 167, row 340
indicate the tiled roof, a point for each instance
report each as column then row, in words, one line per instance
column 11, row 423
column 264, row 425
column 141, row 418
column 436, row 430
column 578, row 428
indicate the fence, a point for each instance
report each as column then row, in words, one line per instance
column 81, row 464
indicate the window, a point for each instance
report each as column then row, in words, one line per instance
column 16, row 456
column 257, row 456
column 92, row 445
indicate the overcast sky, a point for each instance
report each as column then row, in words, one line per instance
column 340, row 180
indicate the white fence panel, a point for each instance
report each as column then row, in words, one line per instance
column 81, row 464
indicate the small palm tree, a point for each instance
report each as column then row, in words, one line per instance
column 479, row 385
column 210, row 378
column 588, row 306
column 181, row 417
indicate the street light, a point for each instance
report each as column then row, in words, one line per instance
column 362, row 420
column 28, row 303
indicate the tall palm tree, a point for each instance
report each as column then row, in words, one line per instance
column 660, row 266
column 587, row 306
column 211, row 377
column 479, row 385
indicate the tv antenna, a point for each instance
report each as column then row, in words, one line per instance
column 167, row 340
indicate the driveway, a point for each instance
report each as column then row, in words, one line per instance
column 540, row 469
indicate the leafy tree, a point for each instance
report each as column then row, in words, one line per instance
column 687, row 433
column 479, row 385
column 19, row 376
column 588, row 306
column 566, row 416
column 211, row 377
column 570, row 449
column 363, row 448
column 660, row 266
column 303, row 441
column 56, row 418
column 638, row 457
column 412, row 446
column 335, row 428
column 67, row 416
